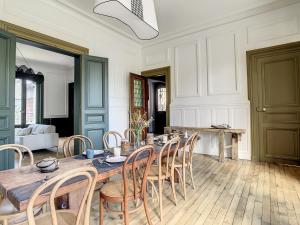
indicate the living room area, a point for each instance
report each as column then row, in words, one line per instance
column 44, row 99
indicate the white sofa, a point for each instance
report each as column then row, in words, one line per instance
column 39, row 136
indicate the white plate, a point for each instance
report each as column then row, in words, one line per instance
column 96, row 152
column 116, row 159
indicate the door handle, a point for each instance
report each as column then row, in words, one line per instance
column 258, row 109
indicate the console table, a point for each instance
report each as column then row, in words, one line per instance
column 235, row 138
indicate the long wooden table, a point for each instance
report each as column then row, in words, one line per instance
column 235, row 138
column 19, row 184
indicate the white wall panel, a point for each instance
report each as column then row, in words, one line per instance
column 221, row 61
column 209, row 71
column 186, row 70
column 273, row 29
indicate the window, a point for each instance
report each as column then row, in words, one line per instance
column 25, row 102
column 161, row 99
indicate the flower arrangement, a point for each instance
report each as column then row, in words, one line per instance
column 138, row 122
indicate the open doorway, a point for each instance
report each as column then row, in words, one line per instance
column 159, row 98
column 44, row 98
column 157, row 103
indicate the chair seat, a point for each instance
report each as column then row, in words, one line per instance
column 153, row 174
column 6, row 207
column 64, row 217
column 178, row 162
column 115, row 190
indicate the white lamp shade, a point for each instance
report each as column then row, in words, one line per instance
column 139, row 15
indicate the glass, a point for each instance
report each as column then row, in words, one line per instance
column 162, row 99
column 18, row 102
column 31, row 102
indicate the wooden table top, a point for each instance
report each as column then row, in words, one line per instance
column 209, row 129
column 19, row 184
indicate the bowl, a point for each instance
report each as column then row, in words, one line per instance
column 47, row 165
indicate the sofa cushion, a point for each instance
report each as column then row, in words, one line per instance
column 23, row 132
column 42, row 129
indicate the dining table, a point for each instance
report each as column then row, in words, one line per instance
column 19, row 184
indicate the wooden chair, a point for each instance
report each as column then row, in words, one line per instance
column 117, row 136
column 130, row 189
column 64, row 217
column 185, row 161
column 8, row 212
column 164, row 170
column 130, row 135
column 83, row 140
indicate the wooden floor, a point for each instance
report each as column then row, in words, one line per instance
column 234, row 192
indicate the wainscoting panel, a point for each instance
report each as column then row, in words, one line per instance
column 186, row 70
column 205, row 116
column 221, row 61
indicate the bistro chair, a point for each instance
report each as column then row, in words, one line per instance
column 164, row 170
column 185, row 161
column 50, row 190
column 116, row 136
column 8, row 213
column 132, row 188
column 130, row 135
column 69, row 148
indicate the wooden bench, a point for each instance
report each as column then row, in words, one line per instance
column 235, row 138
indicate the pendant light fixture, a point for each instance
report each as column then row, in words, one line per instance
column 139, row 15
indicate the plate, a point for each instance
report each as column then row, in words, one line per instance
column 116, row 159
column 96, row 152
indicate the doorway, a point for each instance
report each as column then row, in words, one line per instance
column 157, row 104
column 274, row 92
column 44, row 98
column 91, row 80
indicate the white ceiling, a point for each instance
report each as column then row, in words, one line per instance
column 35, row 54
column 176, row 16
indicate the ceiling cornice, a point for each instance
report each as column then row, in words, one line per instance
column 220, row 21
column 98, row 21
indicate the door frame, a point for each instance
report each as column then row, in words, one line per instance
column 47, row 42
column 253, row 91
column 166, row 71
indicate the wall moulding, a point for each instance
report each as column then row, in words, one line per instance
column 40, row 38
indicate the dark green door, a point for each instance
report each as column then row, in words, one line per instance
column 94, row 98
column 7, row 95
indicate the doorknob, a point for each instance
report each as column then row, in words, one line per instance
column 258, row 109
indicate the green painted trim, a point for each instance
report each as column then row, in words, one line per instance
column 7, row 135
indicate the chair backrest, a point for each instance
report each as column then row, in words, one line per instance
column 19, row 149
column 189, row 147
column 130, row 135
column 117, row 137
column 50, row 188
column 137, row 167
column 85, row 143
column 168, row 150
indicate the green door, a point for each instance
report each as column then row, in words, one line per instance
column 94, row 98
column 7, row 95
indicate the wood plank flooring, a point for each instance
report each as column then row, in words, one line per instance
column 233, row 192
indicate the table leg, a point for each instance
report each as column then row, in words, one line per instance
column 75, row 198
column 221, row 146
column 234, row 143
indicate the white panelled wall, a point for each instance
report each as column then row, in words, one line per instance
column 209, row 71
column 57, row 20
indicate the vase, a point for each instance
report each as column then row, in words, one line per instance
column 138, row 134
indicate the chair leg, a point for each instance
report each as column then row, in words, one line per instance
column 126, row 213
column 180, row 179
column 184, row 182
column 101, row 209
column 160, row 189
column 146, row 209
column 173, row 188
column 191, row 174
